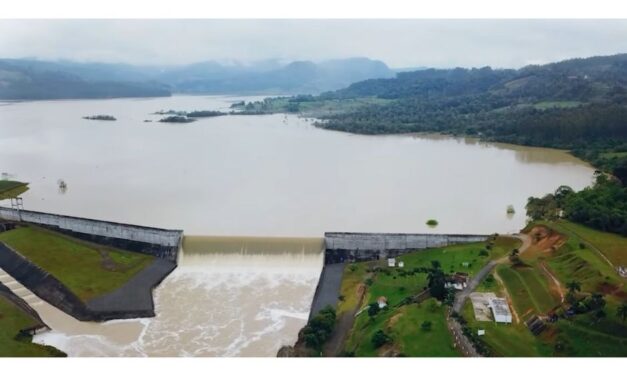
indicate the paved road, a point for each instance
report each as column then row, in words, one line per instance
column 461, row 297
column 461, row 340
column 135, row 296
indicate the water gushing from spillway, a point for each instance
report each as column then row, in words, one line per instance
column 229, row 296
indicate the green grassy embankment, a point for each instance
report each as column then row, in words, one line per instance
column 528, row 289
column 87, row 269
column 12, row 320
column 403, row 325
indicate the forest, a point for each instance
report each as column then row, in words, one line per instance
column 579, row 105
column 602, row 206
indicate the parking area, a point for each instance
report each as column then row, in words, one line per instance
column 481, row 305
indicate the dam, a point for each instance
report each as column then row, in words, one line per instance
column 229, row 296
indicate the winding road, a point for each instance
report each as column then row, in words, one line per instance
column 461, row 297
column 461, row 340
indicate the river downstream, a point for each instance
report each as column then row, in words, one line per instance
column 258, row 176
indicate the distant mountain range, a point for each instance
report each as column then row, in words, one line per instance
column 23, row 79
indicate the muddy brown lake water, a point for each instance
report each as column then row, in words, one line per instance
column 259, row 176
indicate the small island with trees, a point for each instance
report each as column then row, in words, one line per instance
column 177, row 119
column 100, row 117
column 187, row 117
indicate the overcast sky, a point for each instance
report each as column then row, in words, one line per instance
column 399, row 43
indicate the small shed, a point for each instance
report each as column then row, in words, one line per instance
column 391, row 262
column 382, row 301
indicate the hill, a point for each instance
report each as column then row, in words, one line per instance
column 578, row 104
column 29, row 79
column 23, row 79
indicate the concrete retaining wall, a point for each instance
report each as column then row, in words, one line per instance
column 154, row 241
column 42, row 284
column 353, row 246
column 132, row 300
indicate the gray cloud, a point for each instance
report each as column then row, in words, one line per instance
column 400, row 43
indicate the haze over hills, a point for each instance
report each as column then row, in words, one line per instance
column 36, row 79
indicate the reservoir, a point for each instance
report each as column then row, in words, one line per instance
column 271, row 175
column 254, row 195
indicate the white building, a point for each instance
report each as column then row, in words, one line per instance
column 500, row 310
column 457, row 281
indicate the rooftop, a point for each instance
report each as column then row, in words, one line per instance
column 500, row 307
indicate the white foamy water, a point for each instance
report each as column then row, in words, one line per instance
column 213, row 304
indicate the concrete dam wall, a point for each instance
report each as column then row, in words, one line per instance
column 355, row 246
column 154, row 241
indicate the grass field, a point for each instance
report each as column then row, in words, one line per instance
column 12, row 320
column 87, row 269
column 395, row 286
column 612, row 246
column 528, row 289
column 403, row 326
column 506, row 339
column 403, row 323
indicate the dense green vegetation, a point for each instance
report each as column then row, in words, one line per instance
column 319, row 328
column 177, row 119
column 12, row 320
column 89, row 270
column 602, row 206
column 577, row 104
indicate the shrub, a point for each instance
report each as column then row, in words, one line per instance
column 380, row 338
column 319, row 328
column 484, row 252
column 426, row 326
column 373, row 309
column 432, row 222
